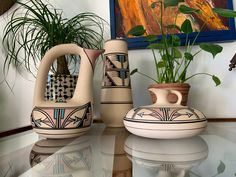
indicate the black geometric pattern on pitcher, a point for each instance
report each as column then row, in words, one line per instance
column 116, row 71
column 165, row 114
column 59, row 118
column 60, row 88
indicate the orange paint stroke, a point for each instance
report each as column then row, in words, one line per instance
column 211, row 19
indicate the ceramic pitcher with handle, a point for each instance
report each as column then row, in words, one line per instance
column 72, row 117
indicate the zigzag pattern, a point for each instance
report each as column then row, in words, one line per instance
column 116, row 71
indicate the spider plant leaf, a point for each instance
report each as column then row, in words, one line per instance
column 182, row 76
column 150, row 38
column 216, row 80
column 133, row 71
column 214, row 49
column 187, row 10
column 225, row 12
column 188, row 56
column 156, row 46
column 174, row 41
column 160, row 64
column 186, row 27
column 221, row 168
column 177, row 53
column 154, row 4
column 168, row 3
column 137, row 31
column 173, row 26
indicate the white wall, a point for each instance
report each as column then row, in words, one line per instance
column 215, row 102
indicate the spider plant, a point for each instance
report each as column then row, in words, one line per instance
column 34, row 27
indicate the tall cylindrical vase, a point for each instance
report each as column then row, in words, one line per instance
column 116, row 96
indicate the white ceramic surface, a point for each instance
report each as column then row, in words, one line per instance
column 164, row 120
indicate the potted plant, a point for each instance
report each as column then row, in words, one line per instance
column 34, row 27
column 172, row 63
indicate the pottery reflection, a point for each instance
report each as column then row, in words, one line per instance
column 65, row 157
column 166, row 158
column 122, row 166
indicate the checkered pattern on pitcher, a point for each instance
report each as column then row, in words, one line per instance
column 60, row 88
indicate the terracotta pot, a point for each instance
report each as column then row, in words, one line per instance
column 181, row 87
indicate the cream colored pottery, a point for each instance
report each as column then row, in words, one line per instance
column 167, row 157
column 181, row 87
column 165, row 120
column 116, row 96
column 73, row 117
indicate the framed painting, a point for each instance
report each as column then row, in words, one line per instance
column 6, row 5
column 125, row 14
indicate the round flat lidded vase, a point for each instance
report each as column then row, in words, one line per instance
column 116, row 96
column 165, row 120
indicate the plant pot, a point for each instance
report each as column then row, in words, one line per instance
column 183, row 88
column 60, row 87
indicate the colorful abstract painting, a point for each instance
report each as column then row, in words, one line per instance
column 126, row 14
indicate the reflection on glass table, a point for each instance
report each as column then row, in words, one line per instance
column 122, row 166
column 48, row 157
column 166, row 158
column 113, row 152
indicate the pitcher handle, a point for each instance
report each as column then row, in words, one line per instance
column 162, row 94
column 179, row 96
column 47, row 61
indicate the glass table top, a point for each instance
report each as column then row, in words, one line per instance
column 114, row 152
